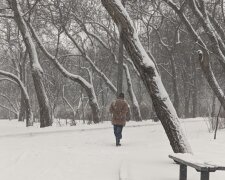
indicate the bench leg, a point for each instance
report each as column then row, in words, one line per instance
column 183, row 172
column 204, row 175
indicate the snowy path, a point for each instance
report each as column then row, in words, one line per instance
column 89, row 153
column 32, row 132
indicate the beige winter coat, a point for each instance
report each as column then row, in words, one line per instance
column 119, row 109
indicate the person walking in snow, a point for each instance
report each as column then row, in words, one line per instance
column 119, row 109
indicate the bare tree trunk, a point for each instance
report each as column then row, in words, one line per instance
column 71, row 107
column 161, row 101
column 95, row 68
column 135, row 106
column 120, row 68
column 176, row 101
column 195, row 92
column 106, row 80
column 213, row 111
column 206, row 67
column 82, row 105
column 75, row 78
column 22, row 112
column 22, row 70
column 218, row 44
column 186, row 101
column 120, row 61
column 29, row 117
column 37, row 72
column 204, row 57
column 170, row 50
column 217, row 122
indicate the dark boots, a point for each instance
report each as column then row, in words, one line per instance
column 118, row 133
column 118, row 142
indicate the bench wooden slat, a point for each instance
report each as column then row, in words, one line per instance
column 199, row 165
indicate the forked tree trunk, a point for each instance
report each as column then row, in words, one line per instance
column 161, row 101
column 88, row 87
column 37, row 72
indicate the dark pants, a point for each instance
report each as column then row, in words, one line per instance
column 118, row 133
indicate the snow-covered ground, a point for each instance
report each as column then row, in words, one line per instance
column 88, row 152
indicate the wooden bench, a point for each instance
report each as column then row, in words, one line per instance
column 190, row 160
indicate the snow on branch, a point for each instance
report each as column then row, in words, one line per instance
column 56, row 62
column 97, row 70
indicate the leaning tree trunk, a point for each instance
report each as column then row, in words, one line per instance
column 27, row 106
column 161, row 101
column 37, row 72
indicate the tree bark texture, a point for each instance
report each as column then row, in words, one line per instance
column 207, row 69
column 120, row 68
column 161, row 101
column 37, row 72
